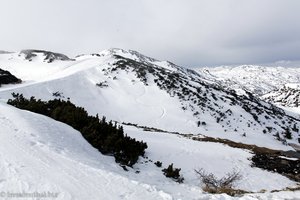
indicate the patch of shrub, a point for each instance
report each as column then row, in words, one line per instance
column 264, row 131
column 215, row 185
column 173, row 173
column 275, row 163
column 158, row 163
column 57, row 94
column 105, row 136
column 295, row 128
column 102, row 84
column 287, row 134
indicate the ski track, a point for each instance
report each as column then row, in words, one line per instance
column 155, row 106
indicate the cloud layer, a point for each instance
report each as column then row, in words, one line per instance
column 186, row 32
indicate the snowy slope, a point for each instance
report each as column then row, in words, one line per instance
column 126, row 86
column 33, row 70
column 40, row 154
column 287, row 95
column 54, row 157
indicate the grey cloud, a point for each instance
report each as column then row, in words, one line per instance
column 186, row 32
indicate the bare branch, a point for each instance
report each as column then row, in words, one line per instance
column 212, row 182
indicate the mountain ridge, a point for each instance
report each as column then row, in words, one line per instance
column 262, row 81
column 126, row 82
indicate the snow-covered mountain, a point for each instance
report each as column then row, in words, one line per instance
column 126, row 86
column 259, row 80
column 131, row 88
column 288, row 95
column 45, row 56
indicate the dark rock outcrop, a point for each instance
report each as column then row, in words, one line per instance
column 7, row 78
column 49, row 56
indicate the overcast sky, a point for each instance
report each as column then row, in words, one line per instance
column 186, row 32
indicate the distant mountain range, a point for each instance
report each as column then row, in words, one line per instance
column 270, row 83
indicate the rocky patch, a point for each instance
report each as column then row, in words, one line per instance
column 7, row 78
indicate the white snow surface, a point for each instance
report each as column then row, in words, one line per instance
column 38, row 154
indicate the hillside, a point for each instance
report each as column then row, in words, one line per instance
column 55, row 155
column 287, row 95
column 126, row 86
